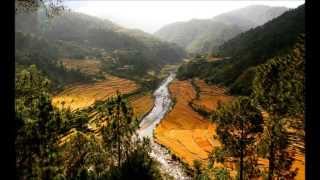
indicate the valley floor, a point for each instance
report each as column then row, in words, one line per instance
column 183, row 131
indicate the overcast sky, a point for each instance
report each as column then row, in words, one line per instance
column 149, row 16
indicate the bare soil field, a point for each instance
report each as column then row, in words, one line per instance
column 187, row 134
column 84, row 95
column 210, row 96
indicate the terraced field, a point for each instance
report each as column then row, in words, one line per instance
column 190, row 136
column 299, row 163
column 83, row 95
column 186, row 133
column 210, row 96
column 294, row 147
column 87, row 66
column 141, row 104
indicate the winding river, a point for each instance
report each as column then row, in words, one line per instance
column 161, row 106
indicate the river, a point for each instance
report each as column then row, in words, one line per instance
column 161, row 106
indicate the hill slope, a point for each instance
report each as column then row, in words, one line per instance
column 248, row 50
column 126, row 52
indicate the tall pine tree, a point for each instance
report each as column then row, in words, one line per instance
column 239, row 124
column 279, row 89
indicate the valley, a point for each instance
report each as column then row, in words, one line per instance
column 214, row 98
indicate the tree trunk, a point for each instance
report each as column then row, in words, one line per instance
column 241, row 163
column 118, row 134
column 119, row 154
column 271, row 158
column 119, row 149
column 241, row 151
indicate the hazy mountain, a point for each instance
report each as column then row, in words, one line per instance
column 204, row 35
column 250, row 16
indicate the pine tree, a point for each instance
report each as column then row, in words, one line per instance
column 239, row 124
column 121, row 126
column 279, row 89
column 37, row 126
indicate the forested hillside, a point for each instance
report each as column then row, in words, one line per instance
column 32, row 50
column 201, row 36
column 271, row 122
column 73, row 35
column 248, row 50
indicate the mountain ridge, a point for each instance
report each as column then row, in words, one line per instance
column 218, row 29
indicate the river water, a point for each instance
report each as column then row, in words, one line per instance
column 161, row 106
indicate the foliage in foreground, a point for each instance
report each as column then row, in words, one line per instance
column 40, row 127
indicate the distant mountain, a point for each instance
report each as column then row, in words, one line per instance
column 248, row 50
column 200, row 36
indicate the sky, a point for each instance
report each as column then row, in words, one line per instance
column 150, row 16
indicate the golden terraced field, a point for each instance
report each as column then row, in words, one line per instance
column 210, row 95
column 141, row 104
column 81, row 96
column 187, row 134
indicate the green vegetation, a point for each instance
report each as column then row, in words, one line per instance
column 120, row 128
column 34, row 50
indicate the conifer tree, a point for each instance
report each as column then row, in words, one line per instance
column 37, row 126
column 121, row 127
column 239, row 124
column 279, row 89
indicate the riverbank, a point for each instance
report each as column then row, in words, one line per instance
column 161, row 106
